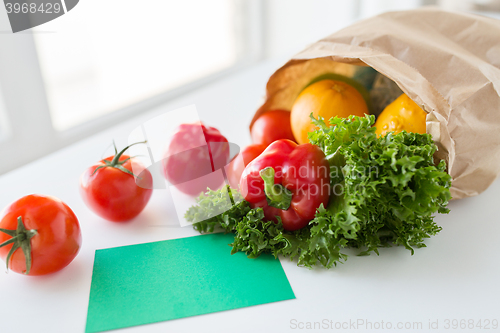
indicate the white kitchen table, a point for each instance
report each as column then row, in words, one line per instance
column 457, row 277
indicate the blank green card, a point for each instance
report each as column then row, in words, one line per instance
column 152, row 282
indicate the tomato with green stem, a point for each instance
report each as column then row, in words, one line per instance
column 112, row 190
column 38, row 235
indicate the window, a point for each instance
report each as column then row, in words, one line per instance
column 105, row 61
column 93, row 63
column 4, row 126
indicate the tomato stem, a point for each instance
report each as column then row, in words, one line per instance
column 21, row 238
column 277, row 195
column 116, row 163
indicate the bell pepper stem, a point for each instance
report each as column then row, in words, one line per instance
column 277, row 195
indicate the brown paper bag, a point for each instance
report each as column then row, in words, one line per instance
column 448, row 63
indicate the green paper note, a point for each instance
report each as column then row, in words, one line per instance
column 152, row 282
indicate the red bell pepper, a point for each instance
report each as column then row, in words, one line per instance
column 195, row 151
column 289, row 181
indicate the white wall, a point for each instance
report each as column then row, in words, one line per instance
column 369, row 8
column 293, row 24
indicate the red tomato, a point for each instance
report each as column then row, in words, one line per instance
column 238, row 164
column 271, row 126
column 192, row 157
column 46, row 232
column 110, row 190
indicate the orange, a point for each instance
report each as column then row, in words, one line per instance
column 326, row 98
column 402, row 114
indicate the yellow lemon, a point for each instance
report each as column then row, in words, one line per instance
column 402, row 114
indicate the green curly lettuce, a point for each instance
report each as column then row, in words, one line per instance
column 208, row 206
column 385, row 191
column 388, row 187
column 253, row 234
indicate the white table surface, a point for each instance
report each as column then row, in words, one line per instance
column 456, row 277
